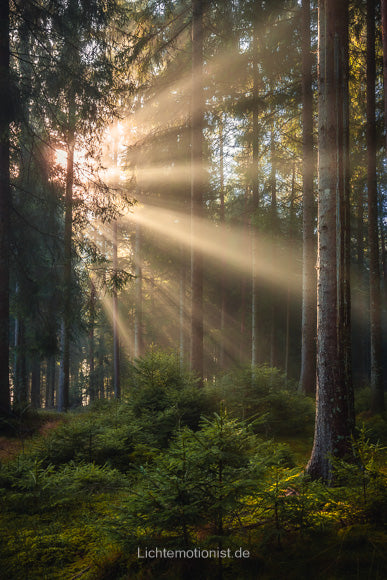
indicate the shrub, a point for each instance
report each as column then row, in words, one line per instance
column 109, row 434
column 200, row 481
column 265, row 395
column 163, row 396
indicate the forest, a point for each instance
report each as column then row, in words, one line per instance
column 193, row 283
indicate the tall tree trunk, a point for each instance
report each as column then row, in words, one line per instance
column 101, row 366
column 256, row 200
column 35, row 382
column 92, row 385
column 384, row 33
column 334, row 411
column 182, row 313
column 292, row 232
column 64, row 377
column 5, row 202
column 308, row 347
column 222, row 218
column 197, row 186
column 377, row 397
column 116, row 339
column 50, row 382
column 20, row 362
column 20, row 381
column 274, row 302
column 254, row 304
column 138, row 322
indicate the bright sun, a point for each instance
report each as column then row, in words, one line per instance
column 80, row 156
column 61, row 157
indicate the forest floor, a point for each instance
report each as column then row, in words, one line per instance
column 81, row 493
column 39, row 426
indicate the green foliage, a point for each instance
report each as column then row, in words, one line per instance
column 163, row 396
column 265, row 396
column 364, row 479
column 376, row 426
column 108, row 480
column 107, row 435
column 200, row 481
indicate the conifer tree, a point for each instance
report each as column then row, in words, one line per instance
column 5, row 202
column 334, row 413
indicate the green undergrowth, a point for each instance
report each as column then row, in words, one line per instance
column 222, row 471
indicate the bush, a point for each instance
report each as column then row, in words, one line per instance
column 108, row 434
column 200, row 481
column 264, row 396
column 165, row 397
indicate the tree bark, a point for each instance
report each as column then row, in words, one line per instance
column 5, row 202
column 20, row 386
column 384, row 34
column 197, row 186
column 334, row 410
column 64, row 377
column 116, row 339
column 92, row 385
column 307, row 383
column 35, row 382
column 50, row 382
column 377, row 394
column 138, row 314
column 182, row 311
column 222, row 218
column 275, row 303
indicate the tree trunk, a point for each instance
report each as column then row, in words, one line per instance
column 384, row 33
column 275, row 304
column 138, row 323
column 5, row 202
column 64, row 379
column 291, row 259
column 377, row 396
column 116, row 339
column 256, row 200
column 182, row 314
column 50, row 382
column 222, row 218
column 334, row 412
column 307, row 383
column 197, row 186
column 254, row 304
column 20, row 366
column 92, row 385
column 35, row 382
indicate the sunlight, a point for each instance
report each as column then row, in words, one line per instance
column 126, row 340
column 61, row 158
column 80, row 157
column 233, row 245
